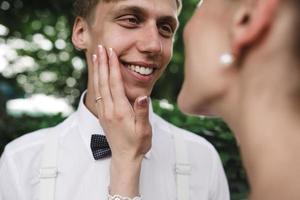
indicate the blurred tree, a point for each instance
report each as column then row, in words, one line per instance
column 37, row 56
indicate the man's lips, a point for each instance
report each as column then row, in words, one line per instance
column 142, row 68
column 143, row 72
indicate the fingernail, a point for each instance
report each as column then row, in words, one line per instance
column 100, row 48
column 110, row 52
column 143, row 101
column 94, row 58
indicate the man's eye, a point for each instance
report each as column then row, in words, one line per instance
column 133, row 20
column 166, row 30
column 129, row 20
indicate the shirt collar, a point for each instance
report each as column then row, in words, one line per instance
column 88, row 124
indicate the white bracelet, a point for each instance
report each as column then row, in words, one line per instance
column 119, row 197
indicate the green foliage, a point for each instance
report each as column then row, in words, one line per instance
column 11, row 128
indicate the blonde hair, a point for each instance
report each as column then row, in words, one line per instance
column 85, row 8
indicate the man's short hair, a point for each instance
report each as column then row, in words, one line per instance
column 85, row 8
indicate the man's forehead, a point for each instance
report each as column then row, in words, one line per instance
column 176, row 2
column 164, row 7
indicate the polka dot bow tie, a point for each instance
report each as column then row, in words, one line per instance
column 100, row 147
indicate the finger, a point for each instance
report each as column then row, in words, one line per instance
column 99, row 107
column 115, row 80
column 141, row 110
column 104, row 80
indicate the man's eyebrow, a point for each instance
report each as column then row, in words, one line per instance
column 143, row 12
column 131, row 9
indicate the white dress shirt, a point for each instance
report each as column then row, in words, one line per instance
column 80, row 177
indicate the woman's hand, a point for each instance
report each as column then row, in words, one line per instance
column 127, row 127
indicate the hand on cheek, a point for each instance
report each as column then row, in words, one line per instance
column 127, row 128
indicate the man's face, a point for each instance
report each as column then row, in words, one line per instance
column 141, row 32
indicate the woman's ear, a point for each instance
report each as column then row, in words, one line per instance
column 251, row 22
column 79, row 35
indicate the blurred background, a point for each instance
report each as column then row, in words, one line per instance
column 42, row 77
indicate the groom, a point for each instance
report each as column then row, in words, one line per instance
column 58, row 163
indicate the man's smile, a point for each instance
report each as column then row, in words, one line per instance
column 142, row 71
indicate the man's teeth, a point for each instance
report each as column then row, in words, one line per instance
column 141, row 70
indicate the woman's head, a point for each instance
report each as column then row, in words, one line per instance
column 251, row 31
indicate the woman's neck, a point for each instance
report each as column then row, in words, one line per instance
column 266, row 122
column 269, row 137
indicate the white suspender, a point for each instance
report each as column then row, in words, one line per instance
column 48, row 170
column 183, row 167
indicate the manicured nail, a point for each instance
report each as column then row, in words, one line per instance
column 143, row 101
column 100, row 48
column 94, row 58
column 110, row 52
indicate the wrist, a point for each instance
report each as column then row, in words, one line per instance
column 119, row 197
column 125, row 168
column 125, row 175
column 126, row 160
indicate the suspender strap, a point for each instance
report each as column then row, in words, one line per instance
column 48, row 170
column 183, row 167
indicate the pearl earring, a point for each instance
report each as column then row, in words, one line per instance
column 227, row 59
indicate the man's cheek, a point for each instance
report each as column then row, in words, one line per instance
column 168, row 54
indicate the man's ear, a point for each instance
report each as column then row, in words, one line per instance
column 251, row 22
column 80, row 35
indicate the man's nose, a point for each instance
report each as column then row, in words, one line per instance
column 150, row 41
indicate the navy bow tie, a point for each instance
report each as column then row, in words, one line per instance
column 100, row 147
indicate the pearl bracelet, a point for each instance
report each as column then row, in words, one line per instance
column 119, row 197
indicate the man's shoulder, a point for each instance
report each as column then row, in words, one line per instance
column 27, row 140
column 34, row 140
